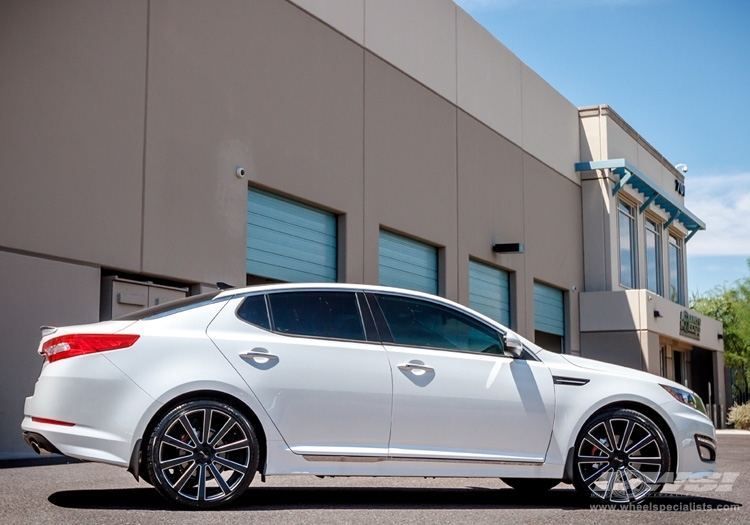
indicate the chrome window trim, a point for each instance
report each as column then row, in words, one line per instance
column 380, row 459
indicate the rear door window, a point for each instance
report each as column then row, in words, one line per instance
column 332, row 315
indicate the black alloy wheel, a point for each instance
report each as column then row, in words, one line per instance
column 202, row 454
column 621, row 457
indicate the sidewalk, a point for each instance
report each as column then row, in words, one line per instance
column 733, row 432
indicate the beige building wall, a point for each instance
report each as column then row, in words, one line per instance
column 554, row 243
column 35, row 292
column 284, row 101
column 489, row 210
column 124, row 123
column 410, row 167
column 346, row 16
column 418, row 37
column 72, row 98
column 488, row 77
column 440, row 46
column 634, row 310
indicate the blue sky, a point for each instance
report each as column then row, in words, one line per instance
column 678, row 71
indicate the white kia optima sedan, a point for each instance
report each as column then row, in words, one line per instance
column 197, row 395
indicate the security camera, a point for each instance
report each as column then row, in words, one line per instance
column 240, row 172
column 682, row 167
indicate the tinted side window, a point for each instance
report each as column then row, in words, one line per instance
column 415, row 322
column 253, row 310
column 334, row 315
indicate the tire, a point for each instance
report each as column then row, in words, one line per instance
column 202, row 454
column 531, row 485
column 621, row 457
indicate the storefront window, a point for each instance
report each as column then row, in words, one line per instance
column 653, row 257
column 676, row 290
column 680, row 375
column 663, row 361
column 628, row 267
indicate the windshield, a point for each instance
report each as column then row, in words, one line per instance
column 171, row 307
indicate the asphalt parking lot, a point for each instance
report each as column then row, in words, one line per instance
column 92, row 493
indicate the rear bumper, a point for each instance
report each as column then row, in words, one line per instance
column 39, row 443
column 86, row 408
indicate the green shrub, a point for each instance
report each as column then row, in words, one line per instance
column 739, row 416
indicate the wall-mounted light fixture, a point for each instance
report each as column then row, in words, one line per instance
column 681, row 167
column 657, row 314
column 721, row 336
column 513, row 247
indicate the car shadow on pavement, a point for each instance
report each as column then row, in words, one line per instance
column 280, row 498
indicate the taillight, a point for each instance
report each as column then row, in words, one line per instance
column 81, row 344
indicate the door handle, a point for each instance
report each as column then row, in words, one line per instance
column 260, row 355
column 418, row 368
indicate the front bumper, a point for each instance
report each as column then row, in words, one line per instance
column 695, row 441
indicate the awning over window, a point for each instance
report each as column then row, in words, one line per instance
column 629, row 174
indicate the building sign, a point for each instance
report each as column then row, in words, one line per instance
column 679, row 187
column 690, row 325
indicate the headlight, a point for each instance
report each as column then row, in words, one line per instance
column 686, row 397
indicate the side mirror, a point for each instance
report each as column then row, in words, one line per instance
column 513, row 345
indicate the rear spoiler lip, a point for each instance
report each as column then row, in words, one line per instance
column 48, row 330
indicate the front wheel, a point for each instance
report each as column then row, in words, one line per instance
column 621, row 457
column 203, row 453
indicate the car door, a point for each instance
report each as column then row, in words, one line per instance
column 455, row 394
column 310, row 364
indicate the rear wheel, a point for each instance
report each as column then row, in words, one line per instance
column 621, row 457
column 203, row 453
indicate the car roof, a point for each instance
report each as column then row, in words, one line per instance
column 263, row 288
column 324, row 286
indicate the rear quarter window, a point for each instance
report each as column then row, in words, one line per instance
column 254, row 311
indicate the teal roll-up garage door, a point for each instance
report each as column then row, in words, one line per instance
column 289, row 241
column 489, row 291
column 548, row 310
column 406, row 263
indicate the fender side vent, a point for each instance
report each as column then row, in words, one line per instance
column 569, row 381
